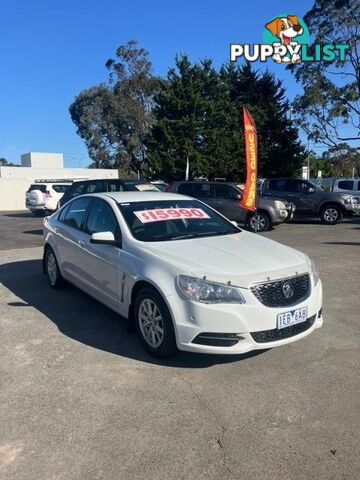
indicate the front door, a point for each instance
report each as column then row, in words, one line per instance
column 100, row 264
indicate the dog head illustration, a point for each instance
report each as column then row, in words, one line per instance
column 285, row 28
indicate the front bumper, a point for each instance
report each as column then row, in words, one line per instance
column 353, row 208
column 252, row 323
column 279, row 216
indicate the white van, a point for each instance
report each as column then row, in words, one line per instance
column 346, row 185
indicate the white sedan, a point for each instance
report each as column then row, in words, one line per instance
column 187, row 277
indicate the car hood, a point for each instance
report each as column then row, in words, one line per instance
column 242, row 258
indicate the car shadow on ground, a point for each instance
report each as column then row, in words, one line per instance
column 20, row 215
column 87, row 321
column 352, row 244
column 34, row 232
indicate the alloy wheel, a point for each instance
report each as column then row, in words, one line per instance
column 51, row 268
column 151, row 323
column 331, row 215
column 258, row 222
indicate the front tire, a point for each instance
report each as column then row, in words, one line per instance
column 52, row 270
column 154, row 324
column 259, row 222
column 331, row 214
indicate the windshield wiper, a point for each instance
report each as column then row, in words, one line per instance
column 202, row 234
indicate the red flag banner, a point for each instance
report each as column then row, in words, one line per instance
column 248, row 199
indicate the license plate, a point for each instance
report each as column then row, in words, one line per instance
column 291, row 318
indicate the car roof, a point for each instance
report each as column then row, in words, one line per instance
column 199, row 182
column 132, row 180
column 124, row 197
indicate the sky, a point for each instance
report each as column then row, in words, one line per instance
column 50, row 51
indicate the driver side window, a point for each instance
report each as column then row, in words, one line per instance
column 102, row 219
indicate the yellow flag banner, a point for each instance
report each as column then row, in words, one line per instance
column 248, row 199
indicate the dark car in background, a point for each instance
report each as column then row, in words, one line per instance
column 106, row 185
column 310, row 200
column 225, row 198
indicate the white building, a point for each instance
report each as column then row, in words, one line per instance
column 42, row 160
column 14, row 181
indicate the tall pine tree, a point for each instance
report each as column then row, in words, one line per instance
column 280, row 150
column 198, row 115
column 196, row 120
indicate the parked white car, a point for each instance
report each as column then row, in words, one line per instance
column 184, row 274
column 346, row 185
column 43, row 198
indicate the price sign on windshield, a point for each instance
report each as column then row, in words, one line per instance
column 164, row 214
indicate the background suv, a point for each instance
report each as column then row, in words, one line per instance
column 225, row 198
column 107, row 185
column 42, row 198
column 310, row 199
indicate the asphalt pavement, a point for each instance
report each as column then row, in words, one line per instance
column 81, row 400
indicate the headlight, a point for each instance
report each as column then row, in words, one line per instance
column 279, row 204
column 208, row 292
column 315, row 272
column 348, row 199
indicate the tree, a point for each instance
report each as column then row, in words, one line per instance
column 195, row 121
column 330, row 103
column 114, row 118
column 5, row 163
column 280, row 151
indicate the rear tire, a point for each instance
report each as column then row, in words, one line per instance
column 52, row 270
column 331, row 215
column 154, row 323
column 259, row 221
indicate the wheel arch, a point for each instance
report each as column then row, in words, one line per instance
column 139, row 285
column 329, row 203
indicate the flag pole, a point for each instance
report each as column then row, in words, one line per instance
column 248, row 199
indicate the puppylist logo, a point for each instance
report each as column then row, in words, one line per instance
column 285, row 40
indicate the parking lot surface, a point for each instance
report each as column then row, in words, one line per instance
column 81, row 399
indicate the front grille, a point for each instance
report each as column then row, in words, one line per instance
column 272, row 335
column 272, row 294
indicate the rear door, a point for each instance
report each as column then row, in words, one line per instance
column 35, row 196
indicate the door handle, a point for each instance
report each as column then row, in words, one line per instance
column 81, row 243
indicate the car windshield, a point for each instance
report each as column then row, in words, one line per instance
column 167, row 220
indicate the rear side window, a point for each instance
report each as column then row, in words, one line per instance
column 77, row 189
column 346, row 184
column 37, row 186
column 279, row 185
column 114, row 186
column 95, row 187
column 60, row 188
column 185, row 189
column 226, row 192
column 76, row 213
column 197, row 190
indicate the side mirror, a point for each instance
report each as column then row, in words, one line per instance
column 104, row 238
column 234, row 223
column 236, row 196
column 311, row 190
